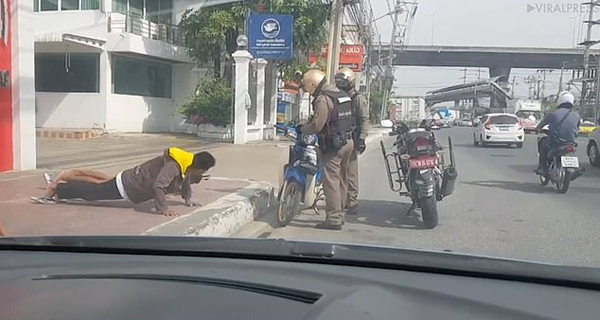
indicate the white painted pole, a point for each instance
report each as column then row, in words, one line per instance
column 242, row 64
column 261, row 64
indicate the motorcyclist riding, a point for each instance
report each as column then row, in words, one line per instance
column 563, row 127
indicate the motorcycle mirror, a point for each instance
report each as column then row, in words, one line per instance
column 387, row 123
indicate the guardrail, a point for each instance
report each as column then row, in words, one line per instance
column 135, row 24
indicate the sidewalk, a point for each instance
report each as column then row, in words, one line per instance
column 114, row 153
column 243, row 186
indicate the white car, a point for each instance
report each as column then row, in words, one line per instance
column 499, row 128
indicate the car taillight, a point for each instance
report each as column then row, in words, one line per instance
column 570, row 148
column 488, row 125
column 421, row 144
column 520, row 125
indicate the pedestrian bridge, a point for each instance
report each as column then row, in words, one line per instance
column 499, row 60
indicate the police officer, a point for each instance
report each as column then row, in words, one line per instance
column 346, row 81
column 332, row 122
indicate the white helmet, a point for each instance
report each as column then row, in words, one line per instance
column 565, row 97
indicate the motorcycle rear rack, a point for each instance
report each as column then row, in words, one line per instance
column 394, row 173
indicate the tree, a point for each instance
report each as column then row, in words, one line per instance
column 375, row 104
column 211, row 32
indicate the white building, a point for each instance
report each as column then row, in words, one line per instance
column 116, row 64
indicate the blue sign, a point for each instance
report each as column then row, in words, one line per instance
column 271, row 36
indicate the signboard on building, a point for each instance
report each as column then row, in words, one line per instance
column 351, row 56
column 271, row 36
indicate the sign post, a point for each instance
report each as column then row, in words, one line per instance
column 271, row 36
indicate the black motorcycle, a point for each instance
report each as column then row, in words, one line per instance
column 418, row 164
column 562, row 165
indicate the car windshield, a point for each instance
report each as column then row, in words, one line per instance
column 288, row 119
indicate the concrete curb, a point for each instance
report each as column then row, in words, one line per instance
column 223, row 217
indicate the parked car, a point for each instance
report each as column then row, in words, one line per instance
column 593, row 148
column 499, row 128
column 466, row 122
column 587, row 127
column 529, row 124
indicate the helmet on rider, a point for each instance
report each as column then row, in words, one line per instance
column 312, row 80
column 565, row 100
column 345, row 79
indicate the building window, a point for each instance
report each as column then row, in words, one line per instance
column 72, row 72
column 49, row 5
column 141, row 77
column 69, row 5
column 65, row 5
column 159, row 11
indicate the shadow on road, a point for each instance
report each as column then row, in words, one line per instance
column 528, row 187
column 144, row 207
column 386, row 214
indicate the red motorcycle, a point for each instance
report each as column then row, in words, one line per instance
column 418, row 164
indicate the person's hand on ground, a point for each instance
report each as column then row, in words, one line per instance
column 191, row 203
column 170, row 213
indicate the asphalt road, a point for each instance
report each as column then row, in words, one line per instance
column 498, row 209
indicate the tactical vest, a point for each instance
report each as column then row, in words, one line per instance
column 341, row 121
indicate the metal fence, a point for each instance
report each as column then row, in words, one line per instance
column 135, row 24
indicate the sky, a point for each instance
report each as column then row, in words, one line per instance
column 513, row 23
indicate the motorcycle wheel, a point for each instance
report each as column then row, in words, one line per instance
column 429, row 212
column 562, row 185
column 289, row 203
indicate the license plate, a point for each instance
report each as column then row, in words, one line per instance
column 569, row 162
column 423, row 163
column 503, row 129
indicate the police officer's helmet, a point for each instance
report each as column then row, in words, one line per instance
column 344, row 79
column 312, row 79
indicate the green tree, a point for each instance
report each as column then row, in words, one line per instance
column 211, row 32
column 211, row 103
column 375, row 104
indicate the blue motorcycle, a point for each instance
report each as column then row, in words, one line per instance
column 301, row 187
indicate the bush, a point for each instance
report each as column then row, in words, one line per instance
column 210, row 104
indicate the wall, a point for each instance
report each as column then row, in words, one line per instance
column 69, row 110
column 127, row 42
column 23, row 85
column 50, row 25
column 129, row 113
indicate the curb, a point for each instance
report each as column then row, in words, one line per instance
column 223, row 217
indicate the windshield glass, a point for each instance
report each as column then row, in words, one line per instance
column 503, row 120
column 289, row 119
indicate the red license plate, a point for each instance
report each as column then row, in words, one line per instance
column 423, row 163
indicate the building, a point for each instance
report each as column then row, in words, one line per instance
column 115, row 64
column 408, row 109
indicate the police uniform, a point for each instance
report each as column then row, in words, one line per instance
column 360, row 112
column 332, row 122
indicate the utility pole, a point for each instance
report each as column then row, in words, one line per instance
column 512, row 88
column 335, row 38
column 560, row 83
column 389, row 71
column 543, row 72
column 465, row 76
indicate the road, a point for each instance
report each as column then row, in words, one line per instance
column 498, row 209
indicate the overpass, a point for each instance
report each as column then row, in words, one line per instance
column 499, row 60
column 472, row 91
